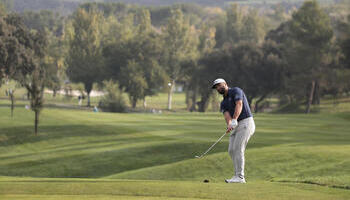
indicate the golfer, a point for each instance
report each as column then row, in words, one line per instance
column 240, row 125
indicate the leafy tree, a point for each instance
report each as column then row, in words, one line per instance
column 113, row 101
column 52, row 25
column 253, row 29
column 213, row 65
column 55, row 60
column 345, row 42
column 234, row 23
column 238, row 25
column 44, row 21
column 134, row 81
column 137, row 64
column 23, row 59
column 311, row 29
column 206, row 44
column 305, row 43
column 85, row 60
column 179, row 46
column 117, row 34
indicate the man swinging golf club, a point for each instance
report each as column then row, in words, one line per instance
column 240, row 125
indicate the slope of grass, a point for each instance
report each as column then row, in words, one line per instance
column 294, row 163
column 122, row 153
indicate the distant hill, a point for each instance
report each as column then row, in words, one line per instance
column 67, row 6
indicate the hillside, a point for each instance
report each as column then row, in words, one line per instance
column 139, row 156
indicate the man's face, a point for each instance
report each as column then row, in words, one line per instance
column 221, row 87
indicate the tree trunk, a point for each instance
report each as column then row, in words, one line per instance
column 133, row 102
column 203, row 104
column 88, row 89
column 170, row 94
column 12, row 104
column 144, row 103
column 88, row 101
column 316, row 98
column 256, row 107
column 312, row 90
column 54, row 93
column 187, row 98
column 194, row 98
column 36, row 122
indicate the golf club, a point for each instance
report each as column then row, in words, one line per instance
column 211, row 146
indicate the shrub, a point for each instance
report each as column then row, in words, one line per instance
column 113, row 100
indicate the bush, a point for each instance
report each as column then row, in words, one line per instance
column 113, row 100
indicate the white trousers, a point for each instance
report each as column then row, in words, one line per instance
column 238, row 142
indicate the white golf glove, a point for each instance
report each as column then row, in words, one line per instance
column 233, row 125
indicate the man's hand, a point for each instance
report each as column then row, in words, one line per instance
column 231, row 125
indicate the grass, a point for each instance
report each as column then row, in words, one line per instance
column 85, row 155
column 126, row 189
column 80, row 154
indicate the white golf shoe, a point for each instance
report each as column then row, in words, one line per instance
column 235, row 179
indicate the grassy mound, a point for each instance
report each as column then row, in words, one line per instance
column 140, row 156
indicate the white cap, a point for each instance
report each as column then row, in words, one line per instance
column 217, row 81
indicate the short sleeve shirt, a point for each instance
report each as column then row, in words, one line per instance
column 229, row 103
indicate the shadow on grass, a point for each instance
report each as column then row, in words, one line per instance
column 87, row 146
column 25, row 134
column 100, row 164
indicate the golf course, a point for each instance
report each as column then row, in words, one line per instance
column 80, row 154
column 176, row 99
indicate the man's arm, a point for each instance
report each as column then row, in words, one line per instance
column 228, row 119
column 238, row 109
column 232, row 122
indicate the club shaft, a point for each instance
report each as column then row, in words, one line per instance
column 213, row 144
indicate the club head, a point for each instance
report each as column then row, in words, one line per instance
column 197, row 156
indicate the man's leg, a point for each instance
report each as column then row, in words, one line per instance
column 244, row 131
column 231, row 148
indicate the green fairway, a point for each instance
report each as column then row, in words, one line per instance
column 86, row 155
column 126, row 189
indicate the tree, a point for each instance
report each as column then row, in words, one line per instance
column 206, row 44
column 44, row 21
column 311, row 29
column 234, row 23
column 139, row 72
column 14, row 41
column 134, row 81
column 305, row 46
column 113, row 100
column 253, row 29
column 55, row 57
column 243, row 24
column 345, row 42
column 179, row 46
column 22, row 59
column 213, row 65
column 52, row 25
column 85, row 60
column 117, row 34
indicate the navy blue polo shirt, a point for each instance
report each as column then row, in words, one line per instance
column 229, row 103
